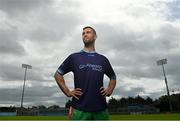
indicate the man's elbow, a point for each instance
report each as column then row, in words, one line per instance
column 54, row 75
column 57, row 76
column 114, row 81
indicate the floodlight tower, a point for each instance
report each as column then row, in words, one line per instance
column 162, row 62
column 26, row 66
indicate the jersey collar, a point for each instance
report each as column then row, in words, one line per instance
column 88, row 51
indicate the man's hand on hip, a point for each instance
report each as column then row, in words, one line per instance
column 75, row 93
column 105, row 92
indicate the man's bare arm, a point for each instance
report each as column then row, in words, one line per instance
column 109, row 90
column 61, row 83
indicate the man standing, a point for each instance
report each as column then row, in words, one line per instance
column 88, row 67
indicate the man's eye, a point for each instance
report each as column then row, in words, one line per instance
column 87, row 32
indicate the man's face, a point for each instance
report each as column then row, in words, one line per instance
column 88, row 37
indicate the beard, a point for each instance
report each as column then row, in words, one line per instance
column 88, row 43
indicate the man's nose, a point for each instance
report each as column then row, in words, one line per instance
column 85, row 35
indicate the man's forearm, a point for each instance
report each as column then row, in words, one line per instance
column 61, row 83
column 112, row 85
column 109, row 90
column 73, row 93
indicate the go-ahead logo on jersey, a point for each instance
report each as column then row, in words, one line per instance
column 91, row 66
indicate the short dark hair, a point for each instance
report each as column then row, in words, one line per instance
column 94, row 31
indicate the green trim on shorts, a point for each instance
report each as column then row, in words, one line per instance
column 82, row 115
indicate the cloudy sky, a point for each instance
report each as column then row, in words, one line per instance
column 133, row 34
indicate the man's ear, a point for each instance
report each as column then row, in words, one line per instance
column 95, row 37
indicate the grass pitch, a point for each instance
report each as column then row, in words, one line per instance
column 146, row 117
column 156, row 117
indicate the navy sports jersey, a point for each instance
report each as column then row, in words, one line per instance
column 88, row 69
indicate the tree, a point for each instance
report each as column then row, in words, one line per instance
column 148, row 101
column 53, row 107
column 175, row 99
column 139, row 100
column 123, row 102
column 163, row 103
column 42, row 107
column 113, row 105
